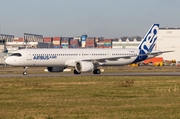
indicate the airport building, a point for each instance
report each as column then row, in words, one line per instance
column 169, row 39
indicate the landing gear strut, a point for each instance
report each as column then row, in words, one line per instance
column 96, row 71
column 25, row 72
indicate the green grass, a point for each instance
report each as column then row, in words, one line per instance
column 90, row 97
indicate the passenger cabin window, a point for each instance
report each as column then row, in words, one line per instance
column 16, row 54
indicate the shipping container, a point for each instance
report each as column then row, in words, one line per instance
column 83, row 44
column 107, row 40
column 100, row 42
column 57, row 46
column 21, row 40
column 90, row 42
column 64, row 44
column 90, row 38
column 83, row 37
column 57, row 38
column 74, row 41
column 66, row 39
column 73, row 46
column 100, row 46
column 65, row 47
column 107, row 46
column 44, row 45
column 89, row 46
column 56, row 41
column 77, row 38
column 48, row 39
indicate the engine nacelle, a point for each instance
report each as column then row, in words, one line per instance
column 55, row 69
column 84, row 66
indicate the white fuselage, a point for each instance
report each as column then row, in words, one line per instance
column 64, row 57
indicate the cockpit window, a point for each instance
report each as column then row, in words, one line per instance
column 16, row 54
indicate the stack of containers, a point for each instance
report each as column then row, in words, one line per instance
column 74, row 43
column 90, row 42
column 100, row 43
column 83, row 41
column 21, row 40
column 65, row 42
column 48, row 39
column 56, row 42
column 107, row 43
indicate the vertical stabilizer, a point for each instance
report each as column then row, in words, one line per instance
column 148, row 43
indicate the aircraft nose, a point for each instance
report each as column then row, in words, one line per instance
column 7, row 61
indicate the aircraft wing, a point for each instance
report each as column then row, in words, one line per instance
column 156, row 53
column 72, row 62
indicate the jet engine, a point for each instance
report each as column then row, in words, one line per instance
column 55, row 69
column 84, row 66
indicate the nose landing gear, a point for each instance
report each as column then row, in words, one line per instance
column 25, row 72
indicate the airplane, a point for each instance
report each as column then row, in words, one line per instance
column 85, row 60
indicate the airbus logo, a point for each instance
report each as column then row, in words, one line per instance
column 40, row 57
column 149, row 42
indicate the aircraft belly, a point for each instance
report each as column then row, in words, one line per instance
column 119, row 62
column 48, row 63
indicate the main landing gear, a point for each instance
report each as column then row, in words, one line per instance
column 95, row 71
column 25, row 72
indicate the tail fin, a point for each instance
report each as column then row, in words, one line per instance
column 148, row 43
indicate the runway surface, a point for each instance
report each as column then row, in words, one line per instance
column 91, row 74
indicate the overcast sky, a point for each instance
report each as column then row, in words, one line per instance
column 108, row 18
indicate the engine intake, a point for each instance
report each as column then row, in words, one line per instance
column 84, row 66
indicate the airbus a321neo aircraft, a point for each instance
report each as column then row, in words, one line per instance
column 85, row 60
